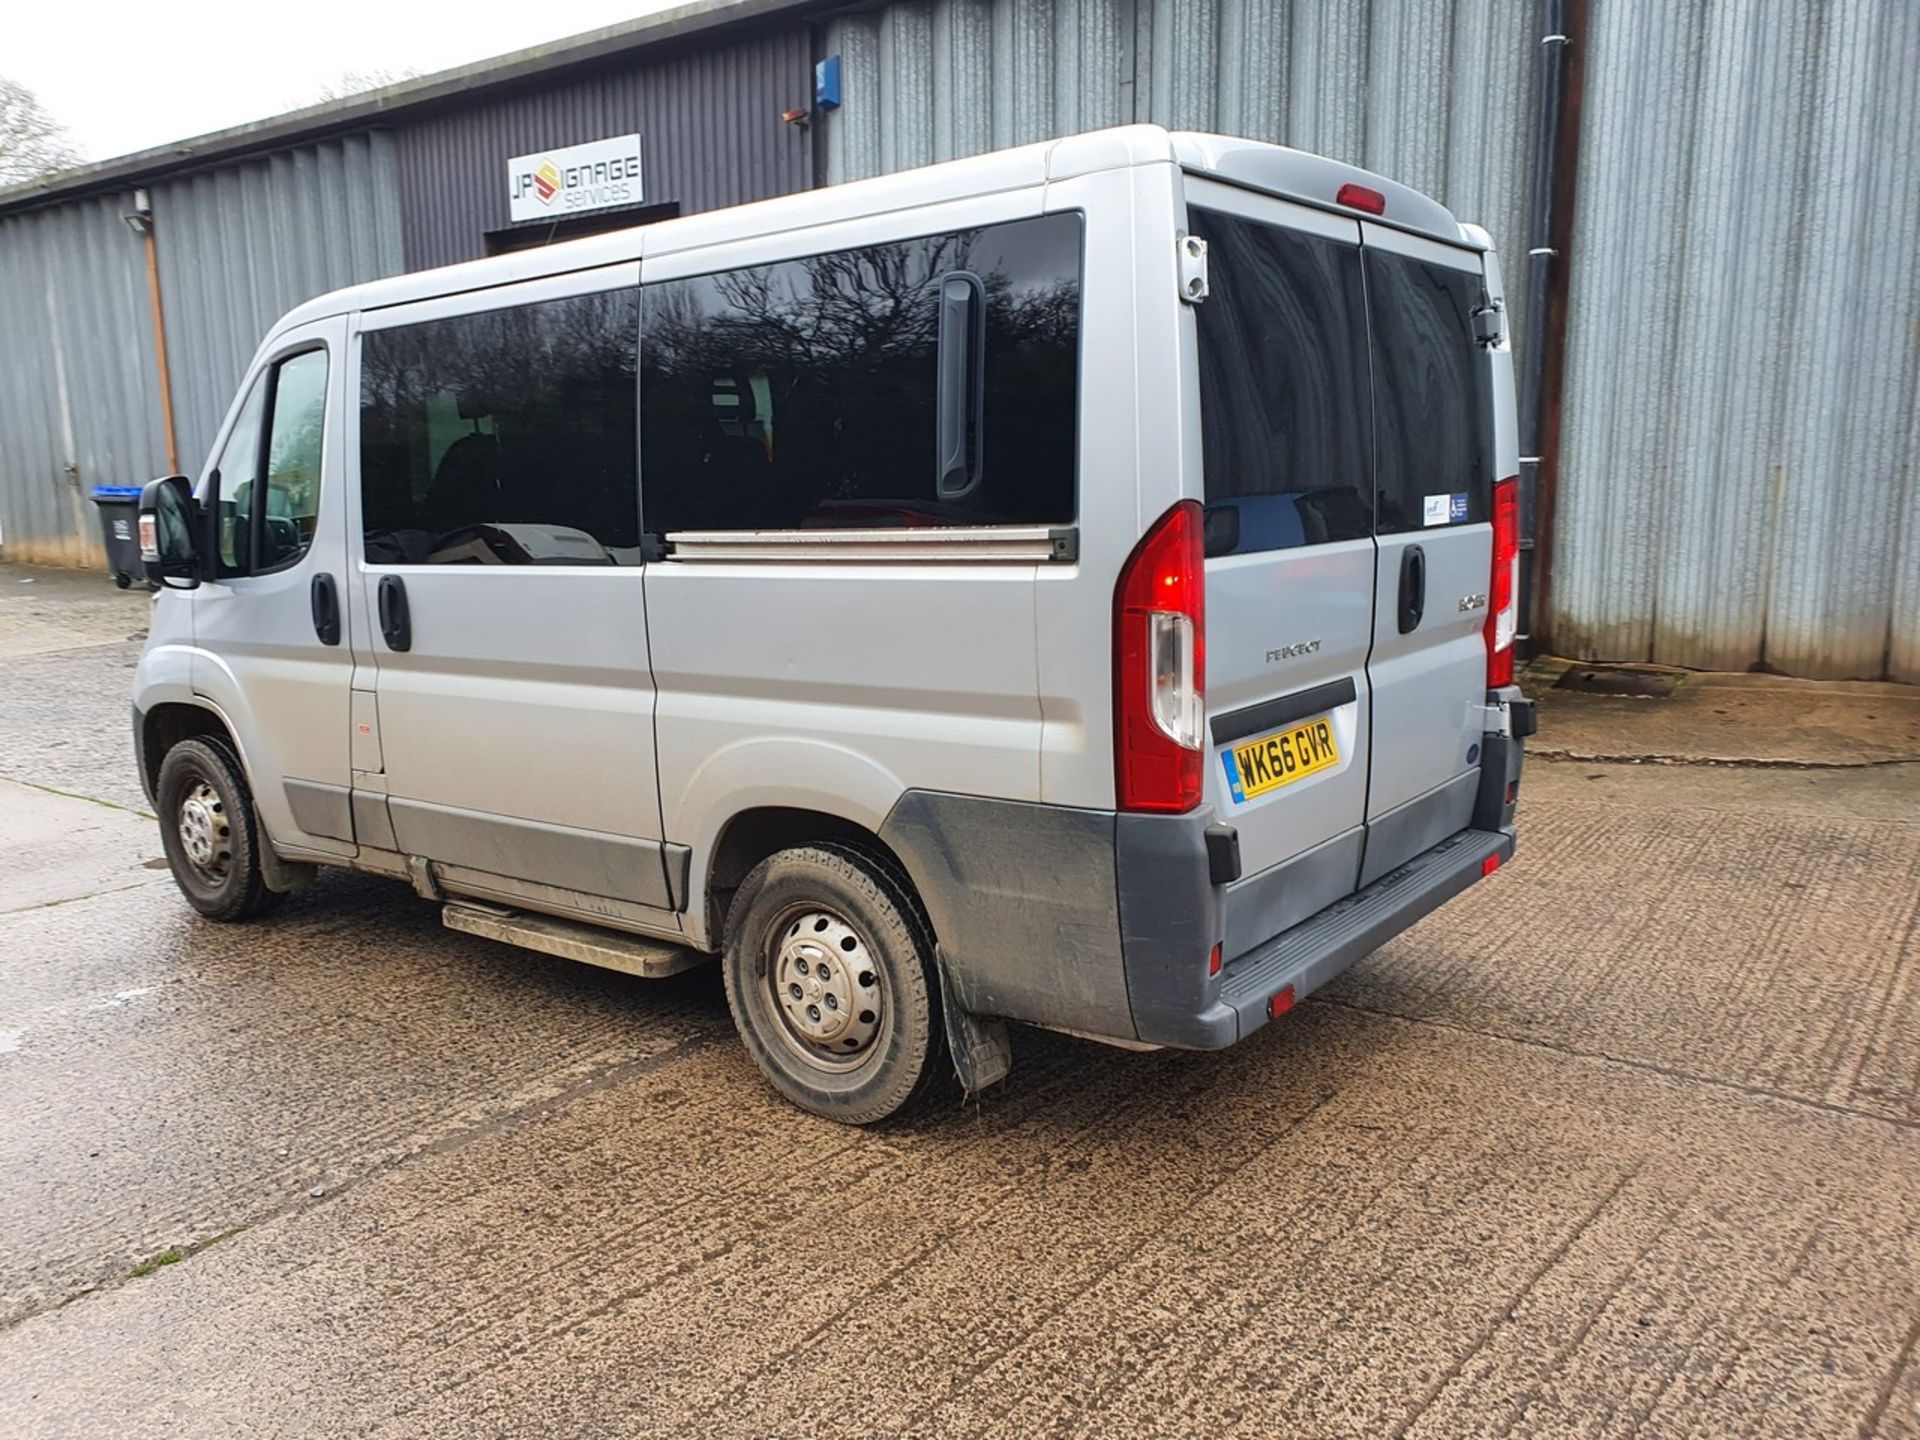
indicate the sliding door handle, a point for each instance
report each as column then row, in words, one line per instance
column 396, row 623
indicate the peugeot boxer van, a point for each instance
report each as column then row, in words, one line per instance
column 1073, row 586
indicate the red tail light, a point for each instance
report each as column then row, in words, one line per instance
column 1160, row 666
column 1503, row 586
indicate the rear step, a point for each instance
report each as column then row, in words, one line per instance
column 649, row 959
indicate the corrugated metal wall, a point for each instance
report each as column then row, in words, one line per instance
column 74, row 412
column 709, row 125
column 238, row 247
column 242, row 245
column 1436, row 93
column 1740, row 473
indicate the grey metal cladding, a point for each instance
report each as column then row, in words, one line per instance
column 1740, row 468
column 1437, row 95
column 242, row 244
column 708, row 119
column 76, row 408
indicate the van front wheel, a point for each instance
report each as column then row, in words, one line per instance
column 210, row 833
column 830, row 975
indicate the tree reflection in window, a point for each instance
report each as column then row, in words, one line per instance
column 802, row 394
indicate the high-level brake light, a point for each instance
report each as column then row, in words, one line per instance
column 1160, row 666
column 1503, row 586
column 1359, row 197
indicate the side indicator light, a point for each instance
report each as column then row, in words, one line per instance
column 1280, row 1003
column 1359, row 197
column 1490, row 864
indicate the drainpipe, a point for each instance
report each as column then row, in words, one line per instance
column 1556, row 153
column 142, row 222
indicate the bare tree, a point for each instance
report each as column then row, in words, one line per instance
column 358, row 82
column 32, row 142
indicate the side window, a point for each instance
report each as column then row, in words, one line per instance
column 237, row 468
column 504, row 437
column 1283, row 388
column 1432, row 455
column 802, row 394
column 267, row 515
column 293, row 459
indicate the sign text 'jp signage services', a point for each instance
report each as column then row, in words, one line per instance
column 593, row 176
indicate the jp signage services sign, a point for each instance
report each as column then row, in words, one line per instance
column 594, row 176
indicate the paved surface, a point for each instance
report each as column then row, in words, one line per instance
column 1626, row 1140
column 1721, row 719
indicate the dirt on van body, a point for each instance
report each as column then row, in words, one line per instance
column 1625, row 1140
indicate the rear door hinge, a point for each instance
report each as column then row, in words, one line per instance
column 1193, row 269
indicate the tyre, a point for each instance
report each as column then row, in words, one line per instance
column 211, row 834
column 830, row 974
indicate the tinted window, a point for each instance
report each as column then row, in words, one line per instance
column 291, row 399
column 1431, row 441
column 802, row 393
column 1283, row 388
column 239, row 459
column 503, row 438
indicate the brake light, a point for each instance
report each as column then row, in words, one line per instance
column 1503, row 586
column 1160, row 666
column 1359, row 197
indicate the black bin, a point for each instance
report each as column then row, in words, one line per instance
column 120, row 529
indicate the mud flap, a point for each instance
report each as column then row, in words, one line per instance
column 981, row 1049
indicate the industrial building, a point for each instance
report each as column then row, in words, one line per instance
column 1706, row 212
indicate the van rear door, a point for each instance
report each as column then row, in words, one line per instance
column 1284, row 416
column 1433, row 473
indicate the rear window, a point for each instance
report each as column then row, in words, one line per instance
column 1432, row 457
column 802, row 394
column 1283, row 388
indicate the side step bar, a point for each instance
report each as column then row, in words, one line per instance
column 649, row 959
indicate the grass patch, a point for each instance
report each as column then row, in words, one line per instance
column 180, row 1252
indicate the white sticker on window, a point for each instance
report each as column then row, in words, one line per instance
column 1436, row 509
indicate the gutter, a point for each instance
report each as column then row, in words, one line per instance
column 1556, row 161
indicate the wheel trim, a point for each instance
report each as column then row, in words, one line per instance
column 825, row 987
column 206, row 832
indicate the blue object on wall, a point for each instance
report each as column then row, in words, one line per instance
column 826, row 84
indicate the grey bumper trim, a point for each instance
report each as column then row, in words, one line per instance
column 1316, row 950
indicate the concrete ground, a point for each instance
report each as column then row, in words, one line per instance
column 1626, row 1140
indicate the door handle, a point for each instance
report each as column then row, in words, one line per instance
column 1413, row 588
column 395, row 622
column 324, row 596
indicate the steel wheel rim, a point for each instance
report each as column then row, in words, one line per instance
column 206, row 833
column 825, row 987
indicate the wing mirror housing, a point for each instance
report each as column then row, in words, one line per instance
column 170, row 527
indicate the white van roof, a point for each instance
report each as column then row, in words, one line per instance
column 1273, row 169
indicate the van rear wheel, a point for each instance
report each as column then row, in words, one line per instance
column 210, row 832
column 831, row 978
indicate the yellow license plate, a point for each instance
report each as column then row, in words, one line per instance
column 1281, row 758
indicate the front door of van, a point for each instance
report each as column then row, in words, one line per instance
column 497, row 507
column 271, row 625
column 1433, row 473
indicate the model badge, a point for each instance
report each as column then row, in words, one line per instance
column 1472, row 602
column 1288, row 652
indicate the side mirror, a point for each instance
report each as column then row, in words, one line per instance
column 169, row 525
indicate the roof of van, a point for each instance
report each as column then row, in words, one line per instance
column 1273, row 169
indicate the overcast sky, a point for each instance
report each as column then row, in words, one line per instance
column 123, row 76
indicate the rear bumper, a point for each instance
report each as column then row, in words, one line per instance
column 1314, row 951
column 1102, row 923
